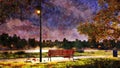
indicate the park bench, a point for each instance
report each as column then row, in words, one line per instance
column 61, row 53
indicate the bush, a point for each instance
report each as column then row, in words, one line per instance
column 20, row 53
column 5, row 55
column 100, row 63
column 80, row 50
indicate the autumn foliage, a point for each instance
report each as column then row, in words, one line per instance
column 106, row 23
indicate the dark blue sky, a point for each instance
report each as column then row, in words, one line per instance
column 61, row 17
column 67, row 13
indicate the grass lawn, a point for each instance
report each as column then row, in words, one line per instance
column 80, row 63
column 108, row 62
column 96, row 53
column 85, row 53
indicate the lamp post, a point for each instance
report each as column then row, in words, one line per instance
column 40, row 45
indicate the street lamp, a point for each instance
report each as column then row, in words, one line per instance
column 38, row 11
column 40, row 45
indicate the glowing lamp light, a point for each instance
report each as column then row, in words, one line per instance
column 38, row 11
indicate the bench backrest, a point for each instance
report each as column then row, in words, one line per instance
column 64, row 53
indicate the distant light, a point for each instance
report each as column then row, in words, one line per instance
column 38, row 11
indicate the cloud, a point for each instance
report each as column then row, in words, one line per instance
column 24, row 29
column 71, row 35
column 65, row 13
column 59, row 20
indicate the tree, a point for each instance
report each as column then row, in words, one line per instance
column 105, row 23
column 109, row 12
column 109, row 17
column 4, row 38
column 78, row 44
column 67, row 44
column 21, row 44
column 15, row 40
column 118, row 44
column 32, row 43
column 44, row 43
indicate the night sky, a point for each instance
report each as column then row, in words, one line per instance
column 60, row 19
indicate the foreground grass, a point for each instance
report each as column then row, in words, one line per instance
column 80, row 63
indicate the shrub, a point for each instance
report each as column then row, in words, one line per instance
column 100, row 63
column 20, row 52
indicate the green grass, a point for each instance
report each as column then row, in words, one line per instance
column 80, row 63
column 25, row 55
column 108, row 62
column 96, row 53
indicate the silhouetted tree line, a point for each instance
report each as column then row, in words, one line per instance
column 78, row 44
column 15, row 42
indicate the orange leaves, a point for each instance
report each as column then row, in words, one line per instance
column 98, row 30
column 101, row 27
column 101, row 2
column 107, row 15
column 96, row 18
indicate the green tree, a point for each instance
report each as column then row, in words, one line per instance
column 112, row 43
column 78, row 44
column 56, row 43
column 118, row 44
column 21, row 44
column 15, row 40
column 4, row 39
column 32, row 43
column 67, row 44
column 44, row 43
column 93, row 42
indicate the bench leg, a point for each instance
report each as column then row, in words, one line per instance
column 73, row 58
column 49, row 58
